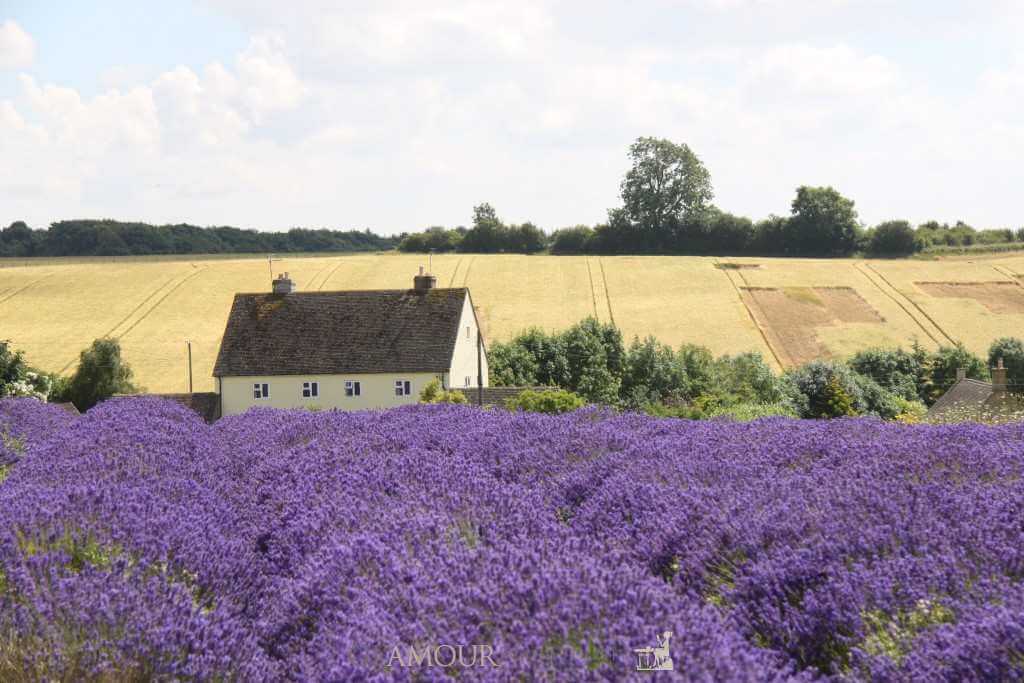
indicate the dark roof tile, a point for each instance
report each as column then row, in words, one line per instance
column 974, row 396
column 308, row 333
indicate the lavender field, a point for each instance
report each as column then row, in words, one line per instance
column 138, row 542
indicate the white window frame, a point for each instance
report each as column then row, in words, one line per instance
column 311, row 389
column 403, row 387
column 260, row 391
column 469, row 380
column 467, row 331
column 353, row 388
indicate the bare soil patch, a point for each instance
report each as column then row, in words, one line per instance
column 1001, row 296
column 791, row 316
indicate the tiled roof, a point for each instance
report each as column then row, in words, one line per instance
column 69, row 407
column 310, row 333
column 205, row 404
column 974, row 396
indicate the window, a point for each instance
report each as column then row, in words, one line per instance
column 467, row 331
column 353, row 389
column 260, row 391
column 310, row 389
column 469, row 380
column 403, row 387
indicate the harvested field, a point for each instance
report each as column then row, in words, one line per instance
column 52, row 308
column 998, row 297
column 791, row 317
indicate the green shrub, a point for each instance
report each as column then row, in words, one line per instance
column 685, row 412
column 745, row 412
column 550, row 402
column 831, row 389
column 433, row 393
column 901, row 372
column 941, row 368
column 893, row 238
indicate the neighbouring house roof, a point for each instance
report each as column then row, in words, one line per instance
column 206, row 404
column 325, row 333
column 69, row 407
column 974, row 397
column 496, row 396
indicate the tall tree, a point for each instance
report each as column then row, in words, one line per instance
column 101, row 373
column 666, row 187
column 824, row 223
column 488, row 234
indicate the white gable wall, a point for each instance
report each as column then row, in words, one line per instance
column 464, row 359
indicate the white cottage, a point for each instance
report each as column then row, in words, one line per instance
column 350, row 350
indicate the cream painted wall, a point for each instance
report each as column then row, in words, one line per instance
column 378, row 391
column 464, row 358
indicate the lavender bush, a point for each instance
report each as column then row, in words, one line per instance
column 25, row 420
column 138, row 542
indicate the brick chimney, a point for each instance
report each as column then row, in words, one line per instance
column 424, row 281
column 961, row 374
column 283, row 284
column 999, row 378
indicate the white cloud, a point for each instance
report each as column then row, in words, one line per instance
column 17, row 49
column 398, row 114
column 838, row 70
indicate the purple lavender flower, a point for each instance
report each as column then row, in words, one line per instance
column 137, row 541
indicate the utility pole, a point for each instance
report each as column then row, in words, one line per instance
column 479, row 369
column 189, row 344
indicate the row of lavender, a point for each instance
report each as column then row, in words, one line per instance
column 138, row 541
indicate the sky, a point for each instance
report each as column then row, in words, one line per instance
column 398, row 115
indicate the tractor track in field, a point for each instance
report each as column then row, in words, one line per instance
column 18, row 291
column 465, row 275
column 607, row 296
column 1013, row 276
column 593, row 295
column 160, row 301
column 309, row 285
column 455, row 273
column 122, row 321
column 149, row 297
column 330, row 275
column 908, row 299
column 750, row 314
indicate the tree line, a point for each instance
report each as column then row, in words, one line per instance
column 117, row 238
column 667, row 209
column 591, row 360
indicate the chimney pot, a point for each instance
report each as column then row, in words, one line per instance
column 424, row 281
column 999, row 377
column 283, row 284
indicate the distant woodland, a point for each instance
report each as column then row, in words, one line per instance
column 666, row 209
column 116, row 238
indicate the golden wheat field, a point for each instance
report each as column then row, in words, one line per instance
column 789, row 310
